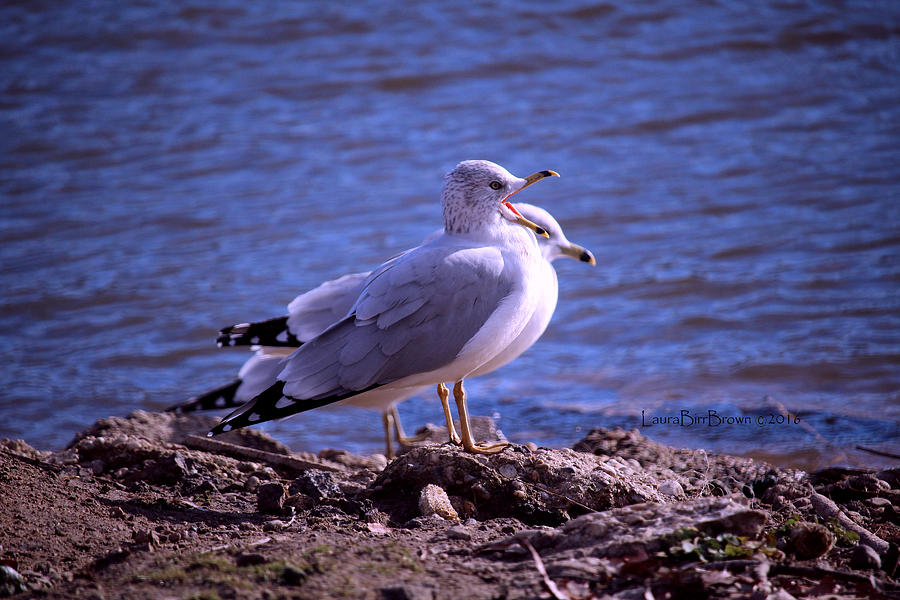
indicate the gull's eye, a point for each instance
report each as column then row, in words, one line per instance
column 496, row 185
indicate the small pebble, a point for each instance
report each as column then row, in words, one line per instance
column 433, row 500
column 145, row 536
column 299, row 502
column 670, row 487
column 252, row 483
column 459, row 532
column 480, row 491
column 270, row 497
column 406, row 591
column 292, row 575
column 249, row 559
column 509, row 471
column 419, row 522
column 316, row 484
column 810, row 540
column 274, row 525
column 10, row 581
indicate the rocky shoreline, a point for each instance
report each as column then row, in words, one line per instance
column 146, row 507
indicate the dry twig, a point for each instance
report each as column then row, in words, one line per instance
column 270, row 458
column 539, row 565
column 827, row 509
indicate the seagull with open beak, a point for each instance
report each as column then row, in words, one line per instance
column 431, row 315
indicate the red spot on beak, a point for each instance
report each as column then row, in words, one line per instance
column 510, row 207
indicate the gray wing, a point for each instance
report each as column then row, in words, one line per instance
column 414, row 315
column 312, row 313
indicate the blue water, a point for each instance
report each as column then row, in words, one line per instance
column 172, row 167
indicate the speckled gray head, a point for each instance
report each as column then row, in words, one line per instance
column 475, row 196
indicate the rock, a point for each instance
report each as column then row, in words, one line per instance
column 299, row 502
column 540, row 487
column 112, row 557
column 251, row 484
column 270, row 497
column 204, row 487
column 275, row 525
column 670, row 487
column 407, row 591
column 22, row 448
column 431, row 521
column 748, row 523
column 698, row 472
column 292, row 575
column 35, row 579
column 864, row 557
column 11, row 582
column 145, row 536
column 878, row 502
column 316, row 484
column 890, row 476
column 809, row 540
column 161, row 428
column 376, row 462
column 459, row 532
column 509, row 471
column 433, row 500
column 640, row 528
column 249, row 559
column 166, row 470
column 760, row 485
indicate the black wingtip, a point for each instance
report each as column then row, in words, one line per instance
column 271, row 332
column 261, row 408
column 221, row 397
column 264, row 407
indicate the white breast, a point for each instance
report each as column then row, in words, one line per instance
column 548, row 292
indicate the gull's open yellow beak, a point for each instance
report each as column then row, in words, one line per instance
column 532, row 226
column 520, row 220
column 535, row 177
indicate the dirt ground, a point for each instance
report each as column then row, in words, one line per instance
column 139, row 507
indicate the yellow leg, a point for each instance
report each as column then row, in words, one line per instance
column 459, row 394
column 398, row 430
column 386, row 419
column 444, row 395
